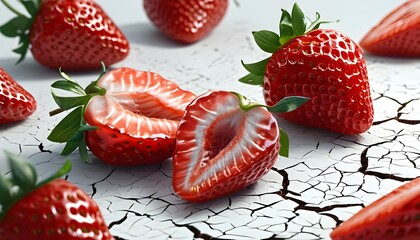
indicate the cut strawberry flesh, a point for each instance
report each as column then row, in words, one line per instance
column 140, row 104
column 106, row 111
column 220, row 148
column 146, row 93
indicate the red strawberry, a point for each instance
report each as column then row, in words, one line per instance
column 186, row 21
column 129, row 117
column 51, row 209
column 225, row 143
column 15, row 102
column 71, row 34
column 394, row 216
column 397, row 34
column 321, row 64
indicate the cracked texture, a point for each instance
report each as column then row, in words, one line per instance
column 327, row 178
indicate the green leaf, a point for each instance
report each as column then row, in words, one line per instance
column 298, row 20
column 69, row 148
column 23, row 47
column 84, row 155
column 68, row 86
column 23, row 173
column 284, row 144
column 286, row 27
column 67, row 127
column 5, row 190
column 65, row 76
column 67, row 103
column 30, row 6
column 268, row 41
column 288, row 104
column 257, row 68
column 16, row 27
column 252, row 79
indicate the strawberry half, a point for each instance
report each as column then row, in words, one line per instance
column 394, row 216
column 397, row 34
column 321, row 64
column 51, row 209
column 185, row 21
column 126, row 117
column 71, row 34
column 16, row 103
column 225, row 143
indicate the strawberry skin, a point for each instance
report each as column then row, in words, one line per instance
column 56, row 210
column 185, row 21
column 329, row 68
column 394, row 216
column 220, row 148
column 76, row 35
column 397, row 33
column 16, row 103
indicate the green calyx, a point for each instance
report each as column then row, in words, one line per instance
column 286, row 104
column 291, row 25
column 23, row 180
column 19, row 26
column 71, row 129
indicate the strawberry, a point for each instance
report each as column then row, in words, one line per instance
column 71, row 34
column 185, row 21
column 225, row 143
column 51, row 209
column 394, row 216
column 126, row 117
column 397, row 34
column 321, row 64
column 16, row 103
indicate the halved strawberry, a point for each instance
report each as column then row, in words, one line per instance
column 225, row 143
column 397, row 34
column 394, row 216
column 126, row 117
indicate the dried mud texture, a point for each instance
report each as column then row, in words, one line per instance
column 327, row 178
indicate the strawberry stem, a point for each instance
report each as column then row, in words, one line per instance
column 56, row 111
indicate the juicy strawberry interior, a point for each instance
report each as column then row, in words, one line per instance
column 220, row 133
column 146, row 104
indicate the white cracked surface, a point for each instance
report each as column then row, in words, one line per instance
column 327, row 178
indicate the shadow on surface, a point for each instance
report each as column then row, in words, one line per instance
column 145, row 34
column 28, row 70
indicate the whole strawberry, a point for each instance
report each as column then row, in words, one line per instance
column 397, row 34
column 322, row 64
column 71, row 34
column 186, row 21
column 394, row 216
column 15, row 102
column 126, row 117
column 51, row 209
column 225, row 142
